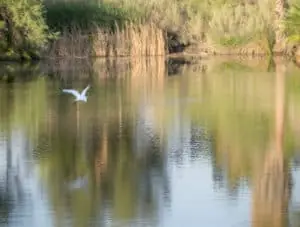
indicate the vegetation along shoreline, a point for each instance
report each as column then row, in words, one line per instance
column 42, row 29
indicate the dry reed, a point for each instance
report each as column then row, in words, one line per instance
column 132, row 40
column 73, row 44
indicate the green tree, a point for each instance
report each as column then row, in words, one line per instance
column 24, row 28
column 279, row 16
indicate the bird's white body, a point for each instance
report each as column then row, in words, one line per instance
column 78, row 183
column 79, row 96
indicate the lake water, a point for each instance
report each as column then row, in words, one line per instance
column 209, row 144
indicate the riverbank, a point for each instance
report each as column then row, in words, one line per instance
column 156, row 28
column 159, row 66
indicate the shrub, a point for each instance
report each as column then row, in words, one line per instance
column 172, row 16
column 25, row 30
column 236, row 25
column 292, row 23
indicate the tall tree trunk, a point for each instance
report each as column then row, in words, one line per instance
column 280, row 38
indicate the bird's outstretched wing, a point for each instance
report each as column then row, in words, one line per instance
column 71, row 91
column 85, row 90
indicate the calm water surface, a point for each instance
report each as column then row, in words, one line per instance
column 212, row 144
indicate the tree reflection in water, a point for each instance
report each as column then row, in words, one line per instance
column 126, row 137
column 272, row 185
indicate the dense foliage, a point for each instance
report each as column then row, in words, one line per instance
column 24, row 32
column 293, row 23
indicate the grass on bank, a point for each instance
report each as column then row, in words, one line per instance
column 85, row 15
column 227, row 23
column 102, row 30
column 121, row 27
column 213, row 25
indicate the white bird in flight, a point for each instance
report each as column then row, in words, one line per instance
column 79, row 96
column 78, row 183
